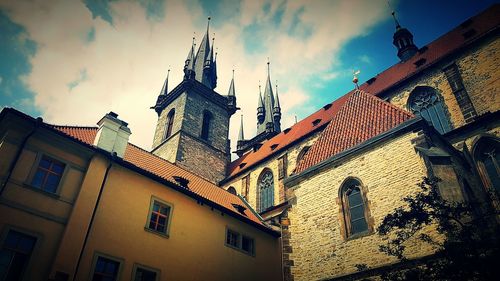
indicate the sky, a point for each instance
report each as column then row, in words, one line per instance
column 73, row 61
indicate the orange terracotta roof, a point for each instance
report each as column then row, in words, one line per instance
column 287, row 137
column 452, row 41
column 166, row 170
column 362, row 117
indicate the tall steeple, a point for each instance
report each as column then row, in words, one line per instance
column 164, row 89
column 403, row 40
column 277, row 110
column 189, row 64
column 231, row 96
column 268, row 121
column 260, row 109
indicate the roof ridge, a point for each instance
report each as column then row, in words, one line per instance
column 386, row 103
column 72, row 126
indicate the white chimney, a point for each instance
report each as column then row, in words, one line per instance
column 113, row 134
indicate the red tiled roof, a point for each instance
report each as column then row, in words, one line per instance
column 166, row 170
column 285, row 138
column 482, row 24
column 362, row 117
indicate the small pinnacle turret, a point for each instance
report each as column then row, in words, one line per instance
column 241, row 135
column 403, row 40
column 260, row 108
column 231, row 96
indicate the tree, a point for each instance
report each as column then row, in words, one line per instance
column 469, row 248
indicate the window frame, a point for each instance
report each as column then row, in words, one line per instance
column 344, row 210
column 239, row 246
column 206, row 124
column 34, row 168
column 169, row 124
column 98, row 254
column 438, row 106
column 479, row 146
column 260, row 190
column 36, row 247
column 138, row 265
column 154, row 199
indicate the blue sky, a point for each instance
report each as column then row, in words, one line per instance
column 73, row 61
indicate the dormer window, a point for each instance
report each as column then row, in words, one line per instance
column 316, row 122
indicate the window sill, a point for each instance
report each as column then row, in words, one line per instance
column 36, row 189
column 240, row 250
column 359, row 235
column 164, row 235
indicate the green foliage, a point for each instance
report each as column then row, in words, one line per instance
column 470, row 250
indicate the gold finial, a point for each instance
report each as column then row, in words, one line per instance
column 355, row 78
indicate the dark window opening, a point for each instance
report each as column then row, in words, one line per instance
column 142, row 274
column 205, row 129
column 273, row 147
column 170, row 124
column 326, row 107
column 316, row 122
column 371, row 80
column 469, row 33
column 15, row 254
column 231, row 190
column 266, row 190
column 420, row 62
column 233, row 238
column 286, row 130
column 105, row 270
column 353, row 206
column 302, row 153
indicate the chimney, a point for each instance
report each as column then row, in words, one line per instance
column 113, row 134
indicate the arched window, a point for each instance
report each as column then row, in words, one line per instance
column 205, row 129
column 353, row 207
column 302, row 153
column 266, row 190
column 424, row 101
column 231, row 190
column 487, row 156
column 170, row 124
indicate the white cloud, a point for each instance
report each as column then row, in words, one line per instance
column 126, row 63
column 366, row 59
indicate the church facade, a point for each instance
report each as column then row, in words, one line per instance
column 299, row 203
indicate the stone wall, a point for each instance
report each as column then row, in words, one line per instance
column 318, row 246
column 479, row 69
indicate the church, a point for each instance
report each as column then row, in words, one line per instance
column 299, row 203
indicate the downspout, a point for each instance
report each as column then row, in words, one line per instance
column 38, row 121
column 89, row 228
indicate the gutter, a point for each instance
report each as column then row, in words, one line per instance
column 407, row 125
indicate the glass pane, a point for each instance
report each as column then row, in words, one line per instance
column 436, row 122
column 162, row 220
column 26, row 244
column 442, row 116
column 51, row 183
column 45, row 163
column 17, row 267
column 144, row 275
column 357, row 212
column 38, row 178
column 160, row 228
column 355, row 198
column 164, row 210
column 111, row 267
column 492, row 173
column 12, row 239
column 99, row 267
column 358, row 226
column 156, row 207
column 5, row 257
column 154, row 217
column 58, row 168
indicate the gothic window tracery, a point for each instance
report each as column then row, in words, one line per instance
column 487, row 156
column 354, row 208
column 425, row 102
column 266, row 190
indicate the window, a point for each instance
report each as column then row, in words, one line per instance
column 15, row 254
column 266, row 190
column 159, row 217
column 105, row 269
column 144, row 273
column 424, row 101
column 487, row 155
column 231, row 190
column 205, row 129
column 353, row 208
column 240, row 242
column 457, row 86
column 302, row 153
column 282, row 163
column 245, row 184
column 170, row 124
column 48, row 174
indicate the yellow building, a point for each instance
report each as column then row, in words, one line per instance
column 303, row 203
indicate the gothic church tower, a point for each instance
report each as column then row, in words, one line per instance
column 193, row 120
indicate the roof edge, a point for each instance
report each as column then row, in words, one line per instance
column 406, row 125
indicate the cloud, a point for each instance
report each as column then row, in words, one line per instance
column 365, row 59
column 130, row 45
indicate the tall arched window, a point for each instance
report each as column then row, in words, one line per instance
column 266, row 190
column 487, row 156
column 170, row 124
column 353, row 207
column 424, row 101
column 205, row 128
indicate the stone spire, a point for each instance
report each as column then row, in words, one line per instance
column 277, row 111
column 231, row 96
column 403, row 40
column 164, row 89
column 268, row 123
column 189, row 65
column 260, row 109
column 241, row 136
